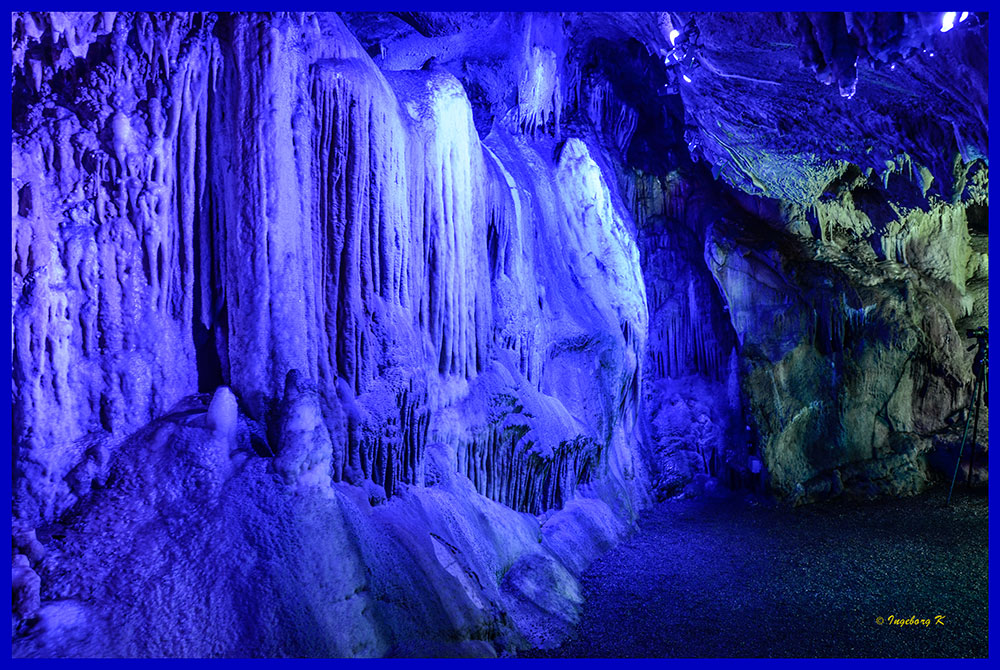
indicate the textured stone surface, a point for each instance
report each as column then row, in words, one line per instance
column 336, row 246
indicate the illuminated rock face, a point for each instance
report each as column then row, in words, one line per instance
column 364, row 334
column 433, row 342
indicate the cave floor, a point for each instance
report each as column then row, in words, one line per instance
column 737, row 579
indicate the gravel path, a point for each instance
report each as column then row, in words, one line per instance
column 731, row 579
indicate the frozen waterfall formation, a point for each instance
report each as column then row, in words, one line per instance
column 360, row 335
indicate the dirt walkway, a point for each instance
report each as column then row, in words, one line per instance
column 724, row 579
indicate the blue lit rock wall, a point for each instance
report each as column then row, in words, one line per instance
column 434, row 345
column 692, row 401
column 106, row 181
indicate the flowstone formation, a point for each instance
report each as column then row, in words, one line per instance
column 364, row 334
column 425, row 346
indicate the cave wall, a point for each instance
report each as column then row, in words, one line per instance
column 854, row 261
column 433, row 341
column 374, row 241
column 834, row 188
column 693, row 405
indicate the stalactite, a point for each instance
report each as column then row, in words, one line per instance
column 539, row 93
column 611, row 115
column 688, row 335
column 506, row 468
column 280, row 204
column 121, row 269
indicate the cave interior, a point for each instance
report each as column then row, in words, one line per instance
column 366, row 334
